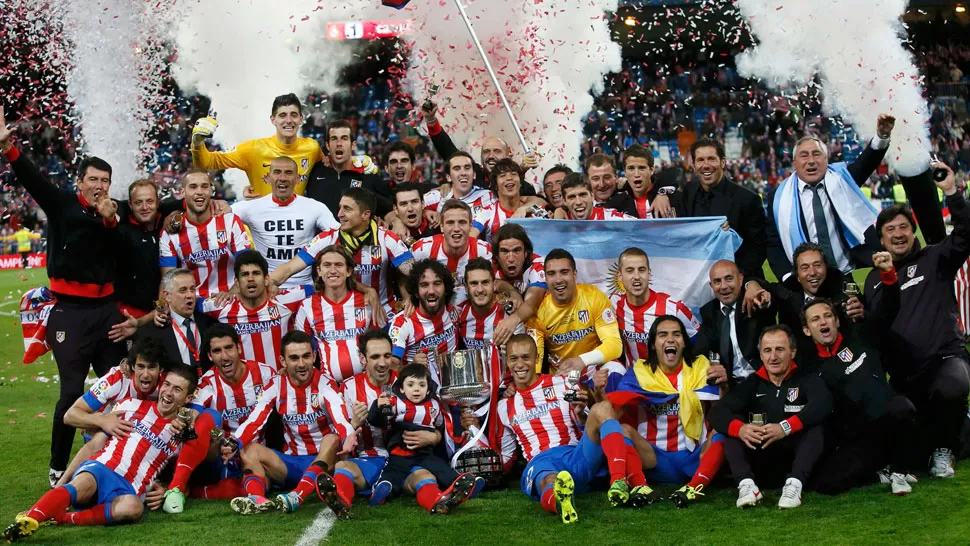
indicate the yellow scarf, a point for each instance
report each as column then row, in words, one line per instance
column 692, row 378
column 353, row 243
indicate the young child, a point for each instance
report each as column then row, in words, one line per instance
column 414, row 407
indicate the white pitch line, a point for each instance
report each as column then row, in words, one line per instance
column 318, row 530
column 8, row 303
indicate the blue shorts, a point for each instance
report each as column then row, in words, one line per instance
column 370, row 468
column 110, row 484
column 295, row 466
column 676, row 467
column 585, row 461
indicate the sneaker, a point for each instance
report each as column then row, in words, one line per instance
column 54, row 476
column 22, row 526
column 748, row 493
column 619, row 493
column 885, row 476
column 563, row 489
column 327, row 489
column 686, row 495
column 941, row 463
column 252, row 504
column 380, row 492
column 791, row 494
column 174, row 501
column 642, row 495
column 899, row 484
column 452, row 497
column 288, row 503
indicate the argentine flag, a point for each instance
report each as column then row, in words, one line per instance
column 681, row 250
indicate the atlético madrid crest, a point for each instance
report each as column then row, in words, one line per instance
column 584, row 316
column 274, row 312
column 792, row 394
column 221, row 237
column 314, row 400
column 360, row 314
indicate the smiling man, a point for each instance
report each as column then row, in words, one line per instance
column 601, row 173
column 454, row 247
column 578, row 197
column 460, row 173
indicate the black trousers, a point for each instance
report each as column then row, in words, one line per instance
column 893, row 439
column 793, row 457
column 399, row 467
column 78, row 336
column 940, row 397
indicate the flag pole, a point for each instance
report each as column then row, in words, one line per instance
column 491, row 73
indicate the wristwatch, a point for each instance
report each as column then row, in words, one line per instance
column 667, row 190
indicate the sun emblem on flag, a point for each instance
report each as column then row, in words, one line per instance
column 221, row 237
column 274, row 312
column 613, row 283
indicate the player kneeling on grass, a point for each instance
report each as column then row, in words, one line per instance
column 315, row 424
column 413, row 405
column 136, row 377
column 563, row 460
column 774, row 422
column 110, row 487
column 671, row 386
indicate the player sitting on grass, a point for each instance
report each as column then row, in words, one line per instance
column 414, row 406
column 547, row 426
column 669, row 390
column 110, row 487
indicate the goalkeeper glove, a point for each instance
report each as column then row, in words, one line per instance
column 363, row 164
column 205, row 127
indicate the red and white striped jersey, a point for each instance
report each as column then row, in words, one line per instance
column 427, row 414
column 208, row 250
column 477, row 199
column 534, row 276
column 370, row 441
column 490, row 218
column 434, row 248
column 309, row 413
column 235, row 401
column 336, row 326
column 476, row 331
column 261, row 329
column 644, row 207
column 419, row 332
column 635, row 322
column 660, row 424
column 538, row 418
column 140, row 456
column 114, row 386
column 372, row 262
column 603, row 213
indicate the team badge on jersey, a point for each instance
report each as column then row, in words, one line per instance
column 792, row 394
column 99, row 387
column 375, row 250
column 304, row 164
column 360, row 314
column 274, row 312
column 221, row 237
column 911, row 271
column 584, row 316
column 608, row 315
column 258, row 389
column 314, row 400
column 845, row 355
column 549, row 393
column 60, row 336
column 355, row 183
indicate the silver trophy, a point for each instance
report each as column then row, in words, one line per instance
column 715, row 360
column 572, row 381
column 465, row 377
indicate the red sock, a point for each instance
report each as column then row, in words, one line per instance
column 226, row 488
column 711, row 462
column 308, row 483
column 255, row 485
column 549, row 501
column 345, row 486
column 427, row 494
column 614, row 447
column 193, row 452
column 99, row 515
column 634, row 468
column 53, row 503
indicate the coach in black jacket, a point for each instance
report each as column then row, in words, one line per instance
column 712, row 193
column 737, row 346
column 182, row 342
column 924, row 353
column 82, row 242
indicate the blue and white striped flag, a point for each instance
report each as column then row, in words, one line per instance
column 681, row 250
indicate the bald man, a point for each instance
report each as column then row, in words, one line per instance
column 728, row 329
column 493, row 150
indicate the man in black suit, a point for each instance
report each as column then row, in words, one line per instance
column 727, row 328
column 712, row 193
column 181, row 335
column 811, row 165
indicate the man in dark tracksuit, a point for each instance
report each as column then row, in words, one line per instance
column 924, row 351
column 81, row 248
column 871, row 425
column 792, row 406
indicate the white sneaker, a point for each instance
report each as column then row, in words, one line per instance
column 941, row 463
column 791, row 494
column 54, row 476
column 900, row 484
column 885, row 477
column 748, row 493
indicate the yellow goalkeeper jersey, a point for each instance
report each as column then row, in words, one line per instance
column 255, row 156
column 588, row 323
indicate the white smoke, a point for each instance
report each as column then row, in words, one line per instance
column 114, row 78
column 855, row 48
